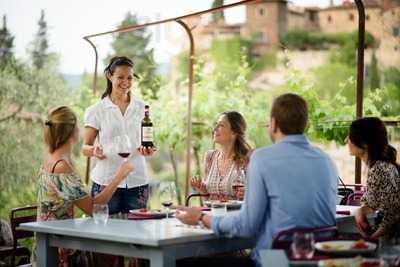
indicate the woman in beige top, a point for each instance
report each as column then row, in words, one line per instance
column 225, row 166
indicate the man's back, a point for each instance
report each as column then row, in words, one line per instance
column 300, row 182
column 289, row 184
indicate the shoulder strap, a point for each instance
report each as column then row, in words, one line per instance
column 55, row 164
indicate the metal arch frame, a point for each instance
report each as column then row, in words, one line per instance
column 179, row 20
column 360, row 76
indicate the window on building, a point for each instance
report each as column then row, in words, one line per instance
column 261, row 11
column 351, row 16
column 396, row 31
column 312, row 16
column 367, row 17
column 261, row 37
column 329, row 19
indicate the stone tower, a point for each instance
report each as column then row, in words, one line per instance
column 266, row 22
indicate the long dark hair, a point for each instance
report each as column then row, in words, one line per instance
column 370, row 133
column 241, row 148
column 110, row 69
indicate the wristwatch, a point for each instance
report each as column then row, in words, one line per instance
column 200, row 221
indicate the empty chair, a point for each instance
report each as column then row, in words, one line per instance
column 354, row 199
column 18, row 216
column 187, row 201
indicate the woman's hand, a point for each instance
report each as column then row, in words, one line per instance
column 147, row 151
column 378, row 233
column 362, row 222
column 124, row 169
column 198, row 184
column 98, row 152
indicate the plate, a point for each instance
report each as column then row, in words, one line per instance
column 346, row 247
column 150, row 213
column 356, row 262
column 230, row 204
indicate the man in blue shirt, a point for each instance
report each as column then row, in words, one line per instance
column 289, row 184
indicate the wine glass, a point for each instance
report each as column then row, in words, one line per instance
column 389, row 251
column 238, row 182
column 167, row 195
column 123, row 146
column 303, row 245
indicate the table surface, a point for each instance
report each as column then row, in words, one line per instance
column 141, row 232
column 150, row 233
column 144, row 232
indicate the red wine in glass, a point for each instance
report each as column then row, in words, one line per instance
column 237, row 185
column 124, row 155
column 167, row 204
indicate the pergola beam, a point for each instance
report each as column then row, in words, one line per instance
column 360, row 76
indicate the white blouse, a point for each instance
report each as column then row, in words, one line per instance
column 107, row 118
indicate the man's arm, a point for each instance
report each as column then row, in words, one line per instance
column 253, row 212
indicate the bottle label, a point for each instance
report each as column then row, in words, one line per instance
column 147, row 134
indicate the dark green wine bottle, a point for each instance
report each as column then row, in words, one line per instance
column 147, row 129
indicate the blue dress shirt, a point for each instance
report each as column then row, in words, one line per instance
column 289, row 184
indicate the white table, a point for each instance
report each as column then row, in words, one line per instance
column 160, row 241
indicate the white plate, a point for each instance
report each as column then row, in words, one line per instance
column 356, row 262
column 151, row 212
column 344, row 247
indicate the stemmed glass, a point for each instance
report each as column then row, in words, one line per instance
column 123, row 146
column 167, row 195
column 238, row 182
column 303, row 245
column 389, row 251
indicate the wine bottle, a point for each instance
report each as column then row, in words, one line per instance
column 147, row 129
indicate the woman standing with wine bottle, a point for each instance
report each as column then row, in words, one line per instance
column 113, row 134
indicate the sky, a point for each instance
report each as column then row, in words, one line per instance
column 70, row 20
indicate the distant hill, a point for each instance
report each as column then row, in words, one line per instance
column 73, row 80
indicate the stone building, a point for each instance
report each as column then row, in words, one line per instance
column 267, row 21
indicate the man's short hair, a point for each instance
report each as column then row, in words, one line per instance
column 290, row 113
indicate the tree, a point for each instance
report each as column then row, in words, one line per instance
column 135, row 46
column 6, row 45
column 218, row 15
column 374, row 75
column 40, row 44
column 26, row 96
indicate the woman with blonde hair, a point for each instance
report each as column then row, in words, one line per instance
column 59, row 186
